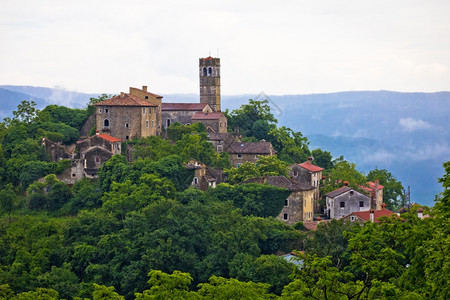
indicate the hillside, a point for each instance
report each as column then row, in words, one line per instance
column 397, row 131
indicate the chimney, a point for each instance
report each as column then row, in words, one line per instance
column 144, row 88
column 420, row 213
column 97, row 132
column 345, row 183
column 377, row 182
column 383, row 206
column 310, row 159
column 372, row 215
column 122, row 94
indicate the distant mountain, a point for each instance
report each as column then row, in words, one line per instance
column 405, row 133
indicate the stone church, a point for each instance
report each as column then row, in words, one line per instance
column 139, row 113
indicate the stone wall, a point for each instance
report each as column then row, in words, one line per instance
column 351, row 203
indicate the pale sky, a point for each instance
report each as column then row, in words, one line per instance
column 276, row 47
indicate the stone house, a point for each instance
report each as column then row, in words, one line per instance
column 309, row 173
column 375, row 191
column 344, row 201
column 221, row 141
column 202, row 180
column 94, row 151
column 215, row 122
column 299, row 205
column 133, row 115
column 182, row 112
column 241, row 152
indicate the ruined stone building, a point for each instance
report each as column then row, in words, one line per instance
column 299, row 205
column 309, row 173
column 241, row 152
column 375, row 191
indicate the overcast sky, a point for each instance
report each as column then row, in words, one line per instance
column 276, row 47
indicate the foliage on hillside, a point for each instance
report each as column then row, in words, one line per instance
column 140, row 232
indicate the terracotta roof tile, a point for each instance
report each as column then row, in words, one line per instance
column 207, row 116
column 183, row 106
column 251, row 148
column 310, row 167
column 109, row 138
column 375, row 186
column 126, row 100
column 365, row 215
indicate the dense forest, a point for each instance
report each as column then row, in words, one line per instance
column 140, row 232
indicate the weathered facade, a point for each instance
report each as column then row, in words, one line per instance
column 182, row 112
column 128, row 116
column 344, row 201
column 209, row 71
column 241, row 152
column 221, row 141
column 96, row 150
column 215, row 122
column 309, row 173
column 368, row 216
column 299, row 205
column 201, row 180
column 375, row 191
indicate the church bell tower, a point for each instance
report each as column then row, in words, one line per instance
column 210, row 82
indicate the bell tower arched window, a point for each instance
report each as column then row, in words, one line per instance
column 205, row 72
column 209, row 71
column 106, row 123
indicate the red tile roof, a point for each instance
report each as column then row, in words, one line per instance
column 109, row 138
column 310, row 167
column 207, row 116
column 126, row 100
column 375, row 186
column 365, row 215
column 184, row 106
column 147, row 92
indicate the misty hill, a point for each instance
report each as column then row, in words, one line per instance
column 405, row 133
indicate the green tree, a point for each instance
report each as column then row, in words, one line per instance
column 322, row 158
column 266, row 166
column 8, row 200
column 168, row 286
column 26, row 112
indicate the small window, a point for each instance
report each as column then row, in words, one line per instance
column 106, row 110
column 295, row 173
column 239, row 156
column 238, row 165
column 146, row 97
column 352, row 218
column 73, row 175
column 219, row 148
column 285, row 216
column 146, row 124
column 342, row 204
column 159, row 108
column 361, row 203
column 127, row 137
column 195, row 180
column 204, row 72
column 168, row 122
column 99, row 110
column 286, row 202
column 106, row 123
column 149, row 110
column 351, row 193
column 97, row 159
column 153, row 124
column 127, row 125
column 143, row 110
column 209, row 71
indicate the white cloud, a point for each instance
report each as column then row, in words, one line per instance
column 410, row 124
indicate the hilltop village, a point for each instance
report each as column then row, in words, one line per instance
column 141, row 113
column 136, row 198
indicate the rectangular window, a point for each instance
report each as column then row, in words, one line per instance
column 285, row 216
column 361, row 203
column 239, row 156
column 127, row 125
column 153, row 124
column 99, row 110
column 286, row 202
column 342, row 204
column 106, row 110
column 146, row 123
column 149, row 110
column 97, row 159
column 143, row 110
